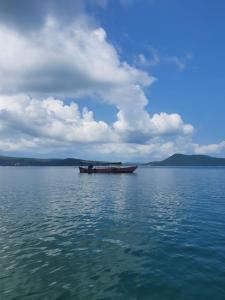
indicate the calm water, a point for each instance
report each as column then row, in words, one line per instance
column 158, row 234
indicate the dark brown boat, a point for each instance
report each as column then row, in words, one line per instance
column 107, row 169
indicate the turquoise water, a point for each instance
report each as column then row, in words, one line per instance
column 156, row 234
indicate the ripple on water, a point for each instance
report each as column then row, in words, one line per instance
column 156, row 235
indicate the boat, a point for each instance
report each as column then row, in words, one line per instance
column 107, row 169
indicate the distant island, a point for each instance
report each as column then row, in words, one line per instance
column 183, row 160
column 175, row 160
column 22, row 161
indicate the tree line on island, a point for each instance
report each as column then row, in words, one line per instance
column 172, row 161
column 182, row 160
column 23, row 161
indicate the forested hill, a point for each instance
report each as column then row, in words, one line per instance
column 189, row 160
column 22, row 161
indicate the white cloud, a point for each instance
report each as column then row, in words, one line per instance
column 50, row 125
column 73, row 61
column 134, row 123
column 134, row 150
column 57, row 60
column 155, row 58
column 209, row 149
column 51, row 119
column 156, row 148
column 40, row 69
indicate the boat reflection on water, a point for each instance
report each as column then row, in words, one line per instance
column 107, row 169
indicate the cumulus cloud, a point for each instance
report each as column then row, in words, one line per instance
column 45, row 70
column 133, row 121
column 50, row 126
column 74, row 61
column 157, row 148
column 51, row 119
column 134, row 150
column 209, row 149
column 66, row 61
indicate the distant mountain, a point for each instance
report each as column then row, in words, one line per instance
column 22, row 161
column 189, row 160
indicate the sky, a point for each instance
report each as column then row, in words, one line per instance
column 129, row 80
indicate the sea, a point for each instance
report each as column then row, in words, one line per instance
column 157, row 234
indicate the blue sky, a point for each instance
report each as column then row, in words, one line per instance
column 149, row 76
column 178, row 28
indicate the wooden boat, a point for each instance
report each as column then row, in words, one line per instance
column 107, row 169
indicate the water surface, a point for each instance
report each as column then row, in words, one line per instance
column 158, row 234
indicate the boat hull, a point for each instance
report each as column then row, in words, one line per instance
column 118, row 170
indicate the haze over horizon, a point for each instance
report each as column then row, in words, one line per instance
column 115, row 80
